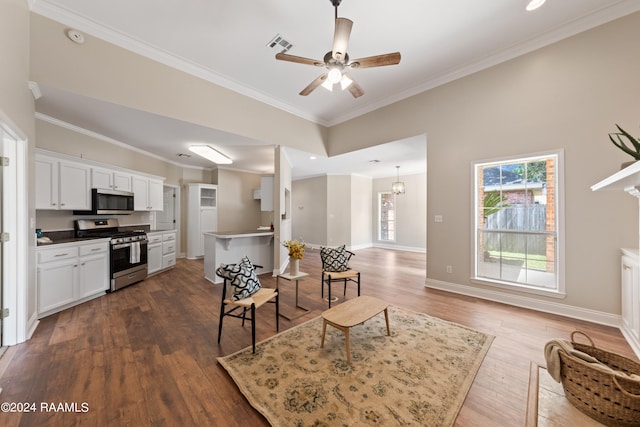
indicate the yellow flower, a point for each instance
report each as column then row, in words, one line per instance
column 296, row 248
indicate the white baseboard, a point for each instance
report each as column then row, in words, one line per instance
column 400, row 248
column 528, row 302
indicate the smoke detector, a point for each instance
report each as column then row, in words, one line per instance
column 75, row 36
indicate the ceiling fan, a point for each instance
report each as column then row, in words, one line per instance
column 337, row 61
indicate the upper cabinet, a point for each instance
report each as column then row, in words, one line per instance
column 65, row 184
column 61, row 184
column 110, row 179
column 147, row 193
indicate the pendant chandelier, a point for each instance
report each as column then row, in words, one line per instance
column 397, row 187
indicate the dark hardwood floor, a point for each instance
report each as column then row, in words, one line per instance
column 146, row 355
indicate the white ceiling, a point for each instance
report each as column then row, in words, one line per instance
column 226, row 43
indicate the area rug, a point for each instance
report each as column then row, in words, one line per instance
column 418, row 376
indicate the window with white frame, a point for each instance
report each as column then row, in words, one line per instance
column 518, row 216
column 387, row 217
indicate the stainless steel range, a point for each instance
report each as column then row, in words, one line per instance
column 128, row 255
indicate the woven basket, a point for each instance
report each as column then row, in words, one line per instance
column 612, row 399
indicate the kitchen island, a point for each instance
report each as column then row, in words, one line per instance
column 228, row 247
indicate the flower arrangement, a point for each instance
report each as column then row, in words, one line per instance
column 296, row 248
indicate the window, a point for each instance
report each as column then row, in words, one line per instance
column 387, row 217
column 517, row 218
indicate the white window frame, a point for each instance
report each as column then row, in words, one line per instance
column 395, row 220
column 560, row 290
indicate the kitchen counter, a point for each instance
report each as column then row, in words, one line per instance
column 228, row 247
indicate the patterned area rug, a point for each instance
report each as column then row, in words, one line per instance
column 418, row 376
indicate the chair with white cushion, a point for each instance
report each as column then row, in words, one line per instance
column 243, row 293
column 335, row 268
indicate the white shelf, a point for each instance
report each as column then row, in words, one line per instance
column 627, row 179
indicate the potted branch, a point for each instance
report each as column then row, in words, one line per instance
column 620, row 140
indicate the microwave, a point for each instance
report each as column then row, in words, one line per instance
column 109, row 202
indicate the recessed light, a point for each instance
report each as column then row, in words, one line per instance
column 534, row 4
column 312, row 157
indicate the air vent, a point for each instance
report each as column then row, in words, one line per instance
column 183, row 155
column 279, row 42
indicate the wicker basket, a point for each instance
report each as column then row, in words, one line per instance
column 612, row 399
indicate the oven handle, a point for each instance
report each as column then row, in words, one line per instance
column 126, row 245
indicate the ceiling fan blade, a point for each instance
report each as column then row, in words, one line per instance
column 299, row 59
column 341, row 38
column 314, row 84
column 354, row 87
column 376, row 61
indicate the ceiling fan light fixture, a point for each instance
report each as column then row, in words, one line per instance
column 534, row 4
column 328, row 85
column 210, row 154
column 334, row 76
column 345, row 82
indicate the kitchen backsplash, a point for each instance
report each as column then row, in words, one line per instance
column 63, row 220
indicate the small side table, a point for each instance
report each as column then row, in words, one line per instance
column 289, row 277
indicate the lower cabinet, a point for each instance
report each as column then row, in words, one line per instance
column 71, row 273
column 630, row 273
column 161, row 253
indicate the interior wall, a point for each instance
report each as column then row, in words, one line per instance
column 361, row 219
column 411, row 211
column 309, row 210
column 568, row 95
column 237, row 209
column 339, row 210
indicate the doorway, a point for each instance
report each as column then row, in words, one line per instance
column 13, row 241
column 169, row 217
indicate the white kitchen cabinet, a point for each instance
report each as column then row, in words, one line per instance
column 161, row 251
column 110, row 179
column 202, row 216
column 147, row 193
column 154, row 252
column 630, row 273
column 94, row 269
column 71, row 273
column 168, row 250
column 61, row 184
column 266, row 193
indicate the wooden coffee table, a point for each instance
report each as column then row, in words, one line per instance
column 352, row 313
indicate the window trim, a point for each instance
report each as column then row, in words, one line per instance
column 560, row 291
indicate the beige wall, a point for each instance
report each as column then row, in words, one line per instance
column 310, row 210
column 411, row 211
column 568, row 95
column 339, row 210
column 361, row 219
column 237, row 209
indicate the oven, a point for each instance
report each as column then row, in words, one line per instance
column 128, row 261
column 128, row 253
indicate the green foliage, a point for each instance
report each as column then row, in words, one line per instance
column 536, row 171
column 618, row 139
column 493, row 202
